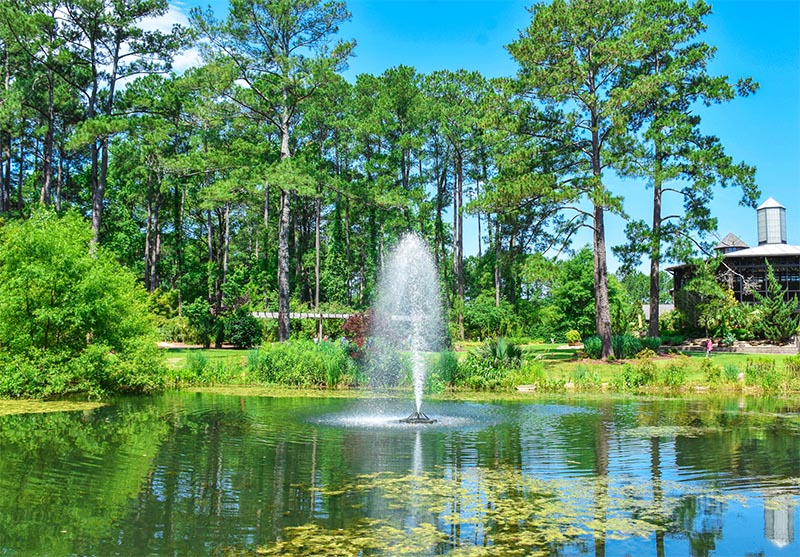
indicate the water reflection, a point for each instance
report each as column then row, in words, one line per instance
column 199, row 474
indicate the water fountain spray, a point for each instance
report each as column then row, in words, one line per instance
column 408, row 313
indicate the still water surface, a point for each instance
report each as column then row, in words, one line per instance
column 207, row 474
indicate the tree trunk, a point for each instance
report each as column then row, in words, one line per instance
column 284, row 330
column 497, row 261
column 601, row 302
column 458, row 240
column 317, row 246
column 45, row 197
column 602, row 307
column 284, row 327
column 655, row 246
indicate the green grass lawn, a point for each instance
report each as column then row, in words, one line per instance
column 559, row 361
column 178, row 358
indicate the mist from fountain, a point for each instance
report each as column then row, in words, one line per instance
column 408, row 312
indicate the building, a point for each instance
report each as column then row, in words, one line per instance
column 744, row 269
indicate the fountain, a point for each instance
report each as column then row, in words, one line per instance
column 408, row 312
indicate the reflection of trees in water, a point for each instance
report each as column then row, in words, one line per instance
column 65, row 477
column 196, row 472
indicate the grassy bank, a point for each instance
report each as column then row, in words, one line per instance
column 541, row 367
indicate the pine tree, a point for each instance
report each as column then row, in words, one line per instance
column 778, row 316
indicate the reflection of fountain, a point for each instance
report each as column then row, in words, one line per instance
column 408, row 312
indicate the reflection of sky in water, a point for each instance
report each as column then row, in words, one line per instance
column 246, row 469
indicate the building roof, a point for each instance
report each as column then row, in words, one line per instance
column 731, row 241
column 769, row 204
column 766, row 250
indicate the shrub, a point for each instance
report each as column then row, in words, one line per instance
column 630, row 378
column 501, row 352
column 301, row 363
column 592, row 347
column 626, row 346
column 675, row 372
column 445, row 367
column 762, row 373
column 710, row 370
column 728, row 339
column 731, row 373
column 792, row 364
column 72, row 319
column 581, row 376
column 201, row 322
column 651, row 343
column 573, row 337
column 242, row 329
column 672, row 339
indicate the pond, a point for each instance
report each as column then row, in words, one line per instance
column 212, row 474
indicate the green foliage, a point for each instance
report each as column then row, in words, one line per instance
column 792, row 364
column 242, row 329
column 704, row 304
column 201, row 321
column 651, row 343
column 302, row 363
column 710, row 370
column 592, row 347
column 626, row 346
column 71, row 318
column 675, row 372
column 777, row 317
column 762, row 372
column 501, row 352
column 444, row 368
column 573, row 336
column 730, row 373
column 483, row 318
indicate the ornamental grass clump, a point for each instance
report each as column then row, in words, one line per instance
column 301, row 363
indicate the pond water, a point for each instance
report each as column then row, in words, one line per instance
column 210, row 474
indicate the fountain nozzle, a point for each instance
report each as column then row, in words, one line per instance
column 417, row 418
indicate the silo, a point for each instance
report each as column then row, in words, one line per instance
column 771, row 223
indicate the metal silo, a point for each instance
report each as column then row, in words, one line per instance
column 771, row 223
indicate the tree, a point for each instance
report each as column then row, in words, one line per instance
column 265, row 43
column 573, row 56
column 672, row 153
column 703, row 302
column 73, row 315
column 110, row 46
column 777, row 315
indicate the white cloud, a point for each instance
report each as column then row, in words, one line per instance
column 175, row 15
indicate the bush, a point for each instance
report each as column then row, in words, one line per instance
column 592, row 347
column 672, row 339
column 651, row 343
column 501, row 352
column 762, row 373
column 444, row 369
column 573, row 336
column 731, row 373
column 242, row 329
column 481, row 373
column 675, row 372
column 792, row 364
column 626, row 346
column 201, row 321
column 301, row 363
column 483, row 318
column 72, row 319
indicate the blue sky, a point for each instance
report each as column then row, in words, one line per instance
column 755, row 38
